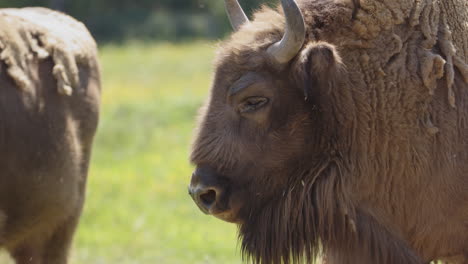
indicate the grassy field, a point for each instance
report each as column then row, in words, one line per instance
column 138, row 209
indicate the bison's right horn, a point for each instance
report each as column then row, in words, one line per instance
column 235, row 13
column 294, row 35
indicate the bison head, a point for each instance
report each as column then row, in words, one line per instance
column 263, row 139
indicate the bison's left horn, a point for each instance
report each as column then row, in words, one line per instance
column 235, row 13
column 293, row 39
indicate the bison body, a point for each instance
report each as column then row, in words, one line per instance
column 49, row 104
column 352, row 144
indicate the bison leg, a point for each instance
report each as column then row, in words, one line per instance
column 57, row 247
column 44, row 249
column 27, row 254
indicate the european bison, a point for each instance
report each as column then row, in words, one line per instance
column 340, row 128
column 49, row 104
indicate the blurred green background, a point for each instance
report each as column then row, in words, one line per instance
column 156, row 66
column 119, row 20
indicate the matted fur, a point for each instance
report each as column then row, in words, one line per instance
column 40, row 33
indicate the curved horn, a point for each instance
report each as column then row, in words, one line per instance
column 235, row 13
column 293, row 39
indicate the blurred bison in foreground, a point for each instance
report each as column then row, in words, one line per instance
column 340, row 128
column 49, row 104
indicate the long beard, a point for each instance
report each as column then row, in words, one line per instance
column 292, row 228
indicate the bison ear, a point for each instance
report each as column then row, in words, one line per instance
column 316, row 68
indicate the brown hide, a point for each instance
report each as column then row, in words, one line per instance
column 372, row 166
column 49, row 104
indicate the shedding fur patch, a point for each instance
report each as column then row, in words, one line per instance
column 37, row 33
column 432, row 69
column 436, row 31
column 449, row 51
column 438, row 55
column 14, row 57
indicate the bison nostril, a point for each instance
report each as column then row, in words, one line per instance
column 208, row 198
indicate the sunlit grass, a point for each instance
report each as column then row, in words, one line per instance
column 137, row 208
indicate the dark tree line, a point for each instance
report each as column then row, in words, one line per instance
column 116, row 20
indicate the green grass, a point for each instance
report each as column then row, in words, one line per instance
column 137, row 208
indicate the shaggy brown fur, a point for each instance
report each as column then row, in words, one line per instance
column 361, row 153
column 49, row 104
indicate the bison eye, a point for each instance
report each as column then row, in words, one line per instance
column 252, row 104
